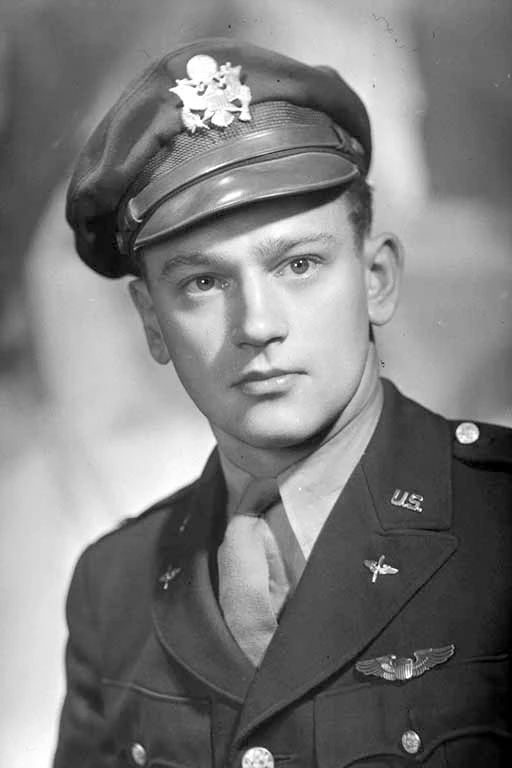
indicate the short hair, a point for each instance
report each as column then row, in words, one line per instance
column 360, row 198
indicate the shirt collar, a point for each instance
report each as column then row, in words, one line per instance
column 310, row 487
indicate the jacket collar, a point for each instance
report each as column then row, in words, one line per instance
column 186, row 614
column 408, row 466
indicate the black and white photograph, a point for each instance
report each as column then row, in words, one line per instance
column 255, row 383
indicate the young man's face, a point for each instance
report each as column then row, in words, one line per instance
column 265, row 314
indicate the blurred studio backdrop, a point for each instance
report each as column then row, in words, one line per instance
column 91, row 430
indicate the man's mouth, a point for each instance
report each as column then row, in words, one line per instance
column 273, row 381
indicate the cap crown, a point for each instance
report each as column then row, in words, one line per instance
column 145, row 129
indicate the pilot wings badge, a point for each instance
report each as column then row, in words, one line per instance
column 393, row 668
column 212, row 95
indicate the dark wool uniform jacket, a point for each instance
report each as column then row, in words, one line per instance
column 155, row 677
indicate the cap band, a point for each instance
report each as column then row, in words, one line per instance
column 252, row 148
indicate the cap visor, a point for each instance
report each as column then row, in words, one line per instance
column 242, row 185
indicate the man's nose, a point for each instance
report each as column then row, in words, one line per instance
column 259, row 317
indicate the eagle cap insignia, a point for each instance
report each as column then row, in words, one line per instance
column 212, row 94
column 393, row 668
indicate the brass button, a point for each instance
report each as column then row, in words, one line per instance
column 411, row 742
column 467, row 433
column 258, row 757
column 139, row 754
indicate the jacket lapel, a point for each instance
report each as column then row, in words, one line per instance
column 337, row 610
column 186, row 615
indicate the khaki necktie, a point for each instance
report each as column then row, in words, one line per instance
column 254, row 580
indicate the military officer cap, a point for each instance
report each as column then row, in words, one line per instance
column 213, row 126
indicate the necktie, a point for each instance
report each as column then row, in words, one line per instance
column 253, row 578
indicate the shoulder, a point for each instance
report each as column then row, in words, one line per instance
column 114, row 579
column 472, row 442
column 473, row 458
column 127, row 554
column 134, row 540
column 482, row 444
column 482, row 474
column 115, row 575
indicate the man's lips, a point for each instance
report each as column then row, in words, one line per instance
column 261, row 375
column 269, row 382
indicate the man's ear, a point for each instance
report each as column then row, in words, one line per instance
column 383, row 258
column 143, row 301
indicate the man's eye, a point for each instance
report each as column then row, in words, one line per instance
column 202, row 284
column 300, row 266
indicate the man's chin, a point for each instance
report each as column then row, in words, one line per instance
column 279, row 435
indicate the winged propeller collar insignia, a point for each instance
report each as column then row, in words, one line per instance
column 379, row 567
column 392, row 667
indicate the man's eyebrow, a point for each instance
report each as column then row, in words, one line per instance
column 270, row 248
column 193, row 259
column 280, row 245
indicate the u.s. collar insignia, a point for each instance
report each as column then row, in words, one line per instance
column 212, row 94
column 393, row 668
column 412, row 501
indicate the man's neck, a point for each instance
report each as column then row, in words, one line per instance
column 263, row 462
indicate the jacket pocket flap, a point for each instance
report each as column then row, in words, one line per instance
column 413, row 718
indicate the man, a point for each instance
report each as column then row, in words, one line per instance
column 335, row 589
